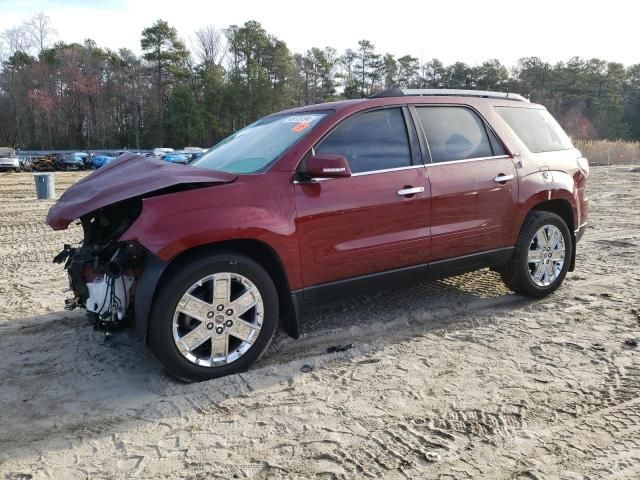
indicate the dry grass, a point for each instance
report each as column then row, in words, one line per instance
column 608, row 152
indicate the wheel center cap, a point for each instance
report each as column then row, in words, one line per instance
column 219, row 318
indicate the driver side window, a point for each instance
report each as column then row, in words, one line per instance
column 371, row 141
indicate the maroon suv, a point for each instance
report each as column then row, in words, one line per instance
column 204, row 260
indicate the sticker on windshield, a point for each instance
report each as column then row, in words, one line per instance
column 300, row 119
column 299, row 127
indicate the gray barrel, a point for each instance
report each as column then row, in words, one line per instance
column 45, row 185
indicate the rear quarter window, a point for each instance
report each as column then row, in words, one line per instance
column 537, row 129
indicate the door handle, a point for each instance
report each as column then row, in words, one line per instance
column 410, row 191
column 501, row 178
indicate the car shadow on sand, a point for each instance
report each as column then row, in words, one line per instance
column 59, row 376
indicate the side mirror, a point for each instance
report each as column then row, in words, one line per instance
column 327, row 165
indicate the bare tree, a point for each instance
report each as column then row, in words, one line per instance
column 209, row 45
column 40, row 30
column 17, row 39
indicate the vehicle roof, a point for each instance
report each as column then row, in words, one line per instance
column 363, row 103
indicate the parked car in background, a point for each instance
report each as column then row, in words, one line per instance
column 44, row 163
column 319, row 202
column 158, row 152
column 99, row 161
column 176, row 158
column 68, row 161
column 193, row 150
column 84, row 159
column 25, row 163
column 8, row 160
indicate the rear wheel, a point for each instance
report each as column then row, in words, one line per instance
column 541, row 257
column 214, row 316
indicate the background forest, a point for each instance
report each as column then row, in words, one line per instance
column 55, row 95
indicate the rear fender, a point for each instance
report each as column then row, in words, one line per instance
column 544, row 186
column 540, row 187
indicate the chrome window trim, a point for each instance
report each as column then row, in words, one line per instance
column 359, row 174
column 426, row 165
column 449, row 162
column 395, row 169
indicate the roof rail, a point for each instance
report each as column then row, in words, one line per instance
column 447, row 92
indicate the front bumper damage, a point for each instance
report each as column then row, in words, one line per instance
column 102, row 270
column 103, row 280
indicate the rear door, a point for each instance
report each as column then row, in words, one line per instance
column 474, row 187
column 364, row 224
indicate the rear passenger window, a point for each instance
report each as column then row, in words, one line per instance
column 371, row 141
column 456, row 133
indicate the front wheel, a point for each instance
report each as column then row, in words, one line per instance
column 541, row 257
column 214, row 316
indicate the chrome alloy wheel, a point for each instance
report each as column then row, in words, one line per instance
column 546, row 254
column 218, row 319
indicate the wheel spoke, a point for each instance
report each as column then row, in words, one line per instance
column 245, row 302
column 534, row 256
column 550, row 271
column 554, row 238
column 219, row 346
column 221, row 288
column 245, row 331
column 194, row 307
column 193, row 339
column 539, row 273
column 557, row 255
column 541, row 239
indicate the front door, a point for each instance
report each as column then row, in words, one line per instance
column 369, row 222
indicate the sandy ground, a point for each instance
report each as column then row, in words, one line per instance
column 452, row 379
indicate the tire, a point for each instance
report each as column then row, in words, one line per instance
column 520, row 274
column 169, row 325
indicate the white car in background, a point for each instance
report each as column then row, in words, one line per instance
column 159, row 152
column 8, row 159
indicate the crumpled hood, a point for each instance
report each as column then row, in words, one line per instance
column 127, row 177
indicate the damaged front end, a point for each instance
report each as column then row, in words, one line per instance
column 103, row 271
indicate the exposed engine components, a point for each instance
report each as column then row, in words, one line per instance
column 109, row 297
column 102, row 271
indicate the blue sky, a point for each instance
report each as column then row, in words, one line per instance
column 465, row 30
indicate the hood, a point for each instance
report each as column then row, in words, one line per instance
column 131, row 175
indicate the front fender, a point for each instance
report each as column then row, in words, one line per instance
column 257, row 208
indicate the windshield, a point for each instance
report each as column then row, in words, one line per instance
column 254, row 147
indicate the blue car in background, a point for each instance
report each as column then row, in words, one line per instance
column 101, row 160
column 176, row 158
